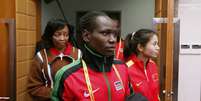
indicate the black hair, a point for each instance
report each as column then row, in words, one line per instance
column 87, row 23
column 52, row 26
column 132, row 40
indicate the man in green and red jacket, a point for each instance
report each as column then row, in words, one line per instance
column 96, row 76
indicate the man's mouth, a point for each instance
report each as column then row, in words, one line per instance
column 110, row 48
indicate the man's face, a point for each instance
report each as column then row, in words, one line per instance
column 103, row 38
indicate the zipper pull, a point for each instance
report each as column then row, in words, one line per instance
column 61, row 56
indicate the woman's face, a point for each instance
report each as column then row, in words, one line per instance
column 60, row 38
column 151, row 49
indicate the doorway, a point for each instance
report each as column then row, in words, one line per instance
column 136, row 14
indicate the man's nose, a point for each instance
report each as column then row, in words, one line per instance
column 112, row 38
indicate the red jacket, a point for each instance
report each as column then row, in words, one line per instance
column 104, row 80
column 144, row 81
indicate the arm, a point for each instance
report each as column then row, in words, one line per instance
column 37, row 87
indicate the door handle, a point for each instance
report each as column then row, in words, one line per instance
column 164, row 91
column 4, row 98
column 170, row 94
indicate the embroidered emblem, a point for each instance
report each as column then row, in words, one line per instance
column 118, row 85
column 86, row 94
column 129, row 63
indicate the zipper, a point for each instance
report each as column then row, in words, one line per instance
column 145, row 71
column 107, row 81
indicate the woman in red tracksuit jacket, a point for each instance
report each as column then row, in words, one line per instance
column 97, row 76
column 139, row 48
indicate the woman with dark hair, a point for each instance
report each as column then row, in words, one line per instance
column 53, row 52
column 52, row 26
column 139, row 48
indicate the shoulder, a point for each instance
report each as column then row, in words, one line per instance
column 130, row 63
column 76, row 53
column 120, row 65
column 40, row 56
column 117, row 61
column 70, row 69
column 64, row 74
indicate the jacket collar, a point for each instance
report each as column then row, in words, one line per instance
column 139, row 63
column 53, row 52
column 97, row 61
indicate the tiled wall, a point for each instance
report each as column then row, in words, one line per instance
column 26, row 36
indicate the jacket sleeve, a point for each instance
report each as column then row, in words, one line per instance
column 37, row 87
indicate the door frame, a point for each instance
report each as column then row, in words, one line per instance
column 10, row 24
column 169, row 43
column 8, row 18
column 12, row 58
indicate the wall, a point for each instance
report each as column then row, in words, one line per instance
column 189, row 60
column 26, row 36
column 135, row 13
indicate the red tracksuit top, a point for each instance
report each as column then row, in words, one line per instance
column 75, row 88
column 144, row 81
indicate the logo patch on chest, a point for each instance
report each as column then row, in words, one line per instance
column 118, row 85
column 86, row 94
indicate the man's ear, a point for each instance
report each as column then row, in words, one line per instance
column 86, row 36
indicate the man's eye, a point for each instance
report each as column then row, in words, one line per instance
column 104, row 33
